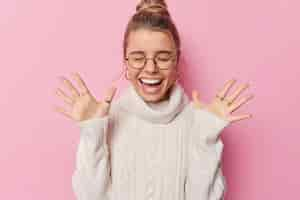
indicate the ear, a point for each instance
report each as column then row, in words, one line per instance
column 126, row 74
column 178, row 56
column 196, row 99
column 177, row 70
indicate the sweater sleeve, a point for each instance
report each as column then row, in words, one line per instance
column 204, row 178
column 91, row 178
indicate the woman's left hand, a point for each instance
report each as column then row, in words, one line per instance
column 223, row 105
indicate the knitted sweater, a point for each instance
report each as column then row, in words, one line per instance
column 144, row 151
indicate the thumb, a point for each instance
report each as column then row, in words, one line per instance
column 110, row 93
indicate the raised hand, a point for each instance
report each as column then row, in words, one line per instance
column 223, row 105
column 83, row 104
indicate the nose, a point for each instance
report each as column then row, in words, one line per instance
column 150, row 66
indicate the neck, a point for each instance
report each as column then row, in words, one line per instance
column 162, row 111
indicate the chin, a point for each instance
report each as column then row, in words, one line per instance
column 152, row 98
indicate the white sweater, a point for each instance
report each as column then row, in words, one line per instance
column 140, row 151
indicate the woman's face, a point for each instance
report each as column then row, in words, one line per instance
column 150, row 81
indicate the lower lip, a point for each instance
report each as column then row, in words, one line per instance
column 149, row 89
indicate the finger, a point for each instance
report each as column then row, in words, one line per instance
column 62, row 111
column 240, row 117
column 69, row 85
column 238, row 104
column 65, row 97
column 81, row 84
column 237, row 92
column 110, row 93
column 226, row 88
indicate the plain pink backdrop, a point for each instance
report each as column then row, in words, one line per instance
column 254, row 41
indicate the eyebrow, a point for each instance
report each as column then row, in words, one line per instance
column 142, row 52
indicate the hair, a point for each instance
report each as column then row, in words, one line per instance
column 152, row 15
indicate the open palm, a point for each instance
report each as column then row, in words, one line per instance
column 223, row 104
column 83, row 104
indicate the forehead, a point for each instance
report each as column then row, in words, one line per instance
column 149, row 41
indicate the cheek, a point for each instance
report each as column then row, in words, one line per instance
column 132, row 74
column 171, row 76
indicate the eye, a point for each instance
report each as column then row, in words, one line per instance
column 138, row 58
column 164, row 57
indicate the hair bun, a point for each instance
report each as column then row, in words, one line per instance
column 152, row 6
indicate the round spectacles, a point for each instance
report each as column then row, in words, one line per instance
column 161, row 60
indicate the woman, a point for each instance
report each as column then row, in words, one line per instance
column 152, row 143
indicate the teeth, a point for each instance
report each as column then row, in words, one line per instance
column 151, row 81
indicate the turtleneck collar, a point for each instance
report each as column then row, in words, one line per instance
column 162, row 112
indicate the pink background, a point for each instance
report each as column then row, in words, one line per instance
column 254, row 41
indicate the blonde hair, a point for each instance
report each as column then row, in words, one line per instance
column 153, row 15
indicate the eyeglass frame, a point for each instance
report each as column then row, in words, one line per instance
column 173, row 54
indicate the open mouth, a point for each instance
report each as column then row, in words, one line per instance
column 150, row 82
column 151, row 86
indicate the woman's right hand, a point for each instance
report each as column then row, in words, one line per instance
column 83, row 104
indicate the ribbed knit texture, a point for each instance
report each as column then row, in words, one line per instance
column 141, row 151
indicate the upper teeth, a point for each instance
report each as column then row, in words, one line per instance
column 150, row 81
